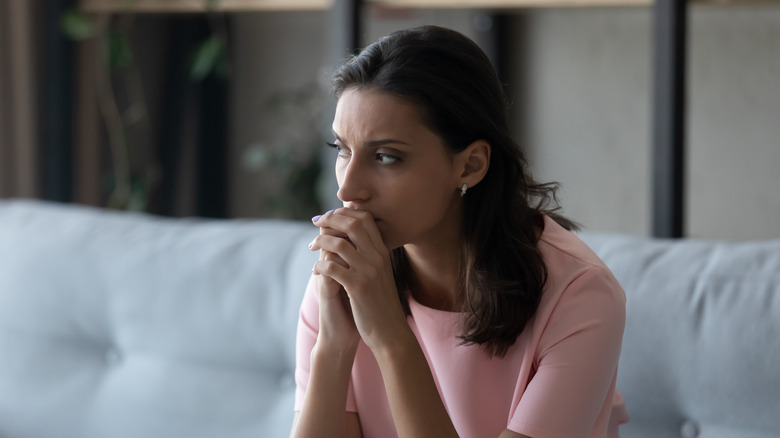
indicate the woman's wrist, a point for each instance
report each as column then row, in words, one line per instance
column 324, row 405
column 333, row 354
column 401, row 342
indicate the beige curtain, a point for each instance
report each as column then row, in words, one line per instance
column 19, row 155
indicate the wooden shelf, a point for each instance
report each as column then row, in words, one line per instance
column 501, row 4
column 194, row 6
column 517, row 4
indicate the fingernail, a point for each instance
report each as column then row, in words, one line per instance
column 311, row 244
column 316, row 218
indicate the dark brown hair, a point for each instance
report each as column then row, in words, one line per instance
column 449, row 77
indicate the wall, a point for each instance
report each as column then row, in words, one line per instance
column 585, row 115
column 272, row 52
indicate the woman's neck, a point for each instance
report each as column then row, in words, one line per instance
column 433, row 275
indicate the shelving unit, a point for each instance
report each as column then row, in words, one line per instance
column 196, row 6
column 669, row 92
column 669, row 65
column 502, row 4
column 520, row 4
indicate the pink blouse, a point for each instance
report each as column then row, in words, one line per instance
column 556, row 381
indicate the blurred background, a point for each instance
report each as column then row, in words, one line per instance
column 221, row 108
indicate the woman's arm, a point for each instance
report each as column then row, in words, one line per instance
column 509, row 434
column 351, row 425
column 366, row 275
column 322, row 413
column 415, row 403
column 414, row 400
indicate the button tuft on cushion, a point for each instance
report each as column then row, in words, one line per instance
column 113, row 357
column 689, row 429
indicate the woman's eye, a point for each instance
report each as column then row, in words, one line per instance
column 340, row 151
column 387, row 159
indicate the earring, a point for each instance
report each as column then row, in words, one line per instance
column 463, row 190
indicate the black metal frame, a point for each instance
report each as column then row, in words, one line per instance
column 56, row 139
column 347, row 29
column 669, row 117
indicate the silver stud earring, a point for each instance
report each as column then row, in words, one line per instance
column 463, row 190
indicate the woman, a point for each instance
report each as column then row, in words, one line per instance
column 449, row 299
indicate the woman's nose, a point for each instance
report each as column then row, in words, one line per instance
column 353, row 183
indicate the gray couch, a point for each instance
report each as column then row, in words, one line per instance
column 117, row 325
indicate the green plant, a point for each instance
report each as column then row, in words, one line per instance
column 134, row 175
column 289, row 161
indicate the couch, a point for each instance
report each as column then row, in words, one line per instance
column 119, row 325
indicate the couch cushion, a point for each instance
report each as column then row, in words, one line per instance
column 126, row 325
column 701, row 350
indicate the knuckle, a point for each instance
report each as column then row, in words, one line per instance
column 351, row 224
column 326, row 267
column 343, row 245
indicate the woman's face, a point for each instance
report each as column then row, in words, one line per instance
column 391, row 165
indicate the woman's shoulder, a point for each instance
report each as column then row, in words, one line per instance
column 561, row 247
column 570, row 262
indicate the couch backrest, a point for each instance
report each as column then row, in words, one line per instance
column 701, row 350
column 117, row 325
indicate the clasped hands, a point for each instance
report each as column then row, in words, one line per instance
column 357, row 292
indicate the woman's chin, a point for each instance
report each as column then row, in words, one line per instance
column 390, row 241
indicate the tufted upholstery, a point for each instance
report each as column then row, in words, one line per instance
column 701, row 350
column 117, row 325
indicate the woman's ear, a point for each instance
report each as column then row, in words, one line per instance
column 475, row 161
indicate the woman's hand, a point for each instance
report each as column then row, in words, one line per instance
column 337, row 333
column 356, row 258
column 360, row 263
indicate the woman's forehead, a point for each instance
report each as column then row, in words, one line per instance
column 365, row 115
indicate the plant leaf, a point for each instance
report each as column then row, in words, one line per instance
column 206, row 57
column 76, row 25
column 119, row 51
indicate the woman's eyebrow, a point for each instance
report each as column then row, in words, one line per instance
column 375, row 143
column 379, row 143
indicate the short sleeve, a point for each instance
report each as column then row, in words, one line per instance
column 571, row 393
column 306, row 337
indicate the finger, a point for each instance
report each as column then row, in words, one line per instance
column 359, row 226
column 333, row 257
column 332, row 232
column 316, row 220
column 354, row 277
column 328, row 285
column 332, row 270
column 337, row 247
column 316, row 243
